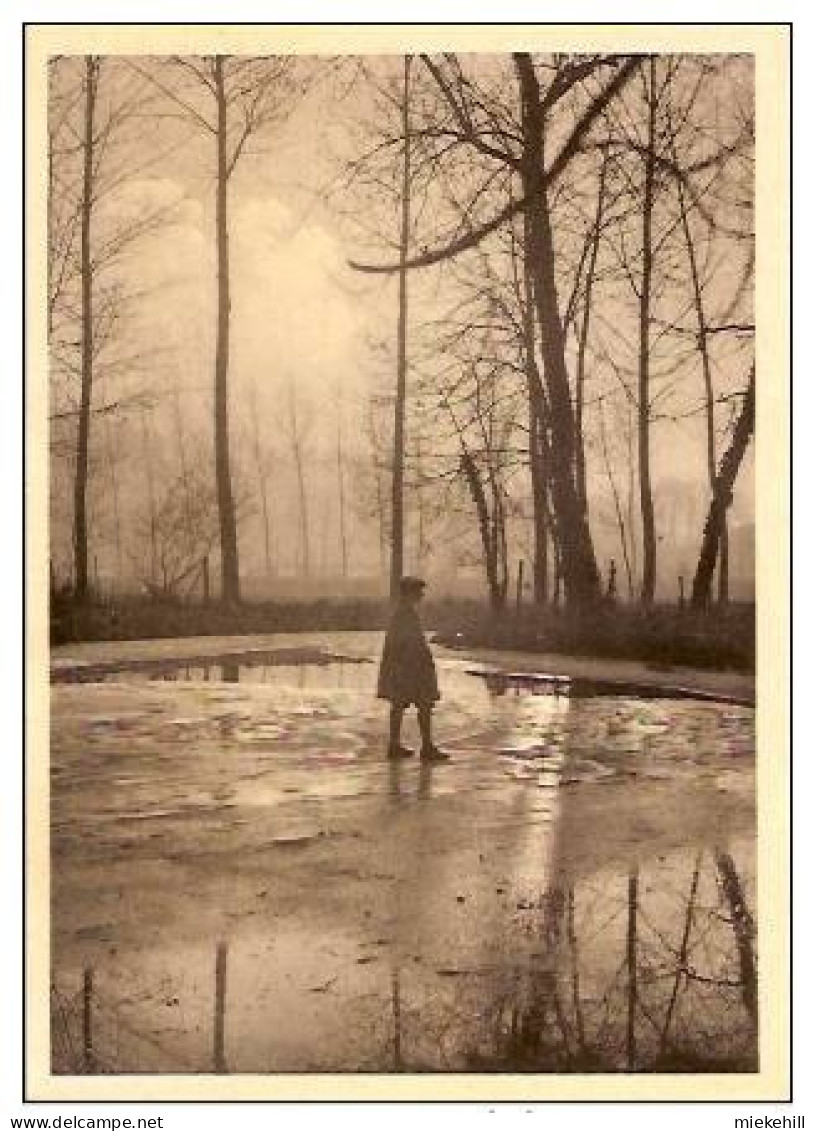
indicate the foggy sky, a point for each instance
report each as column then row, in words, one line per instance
column 304, row 324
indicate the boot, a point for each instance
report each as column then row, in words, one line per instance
column 432, row 753
column 396, row 750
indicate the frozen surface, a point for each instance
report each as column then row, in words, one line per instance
column 574, row 892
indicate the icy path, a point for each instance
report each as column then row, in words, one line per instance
column 386, row 917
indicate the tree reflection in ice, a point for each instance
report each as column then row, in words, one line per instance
column 641, row 977
column 468, row 930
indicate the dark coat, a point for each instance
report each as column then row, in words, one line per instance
column 407, row 673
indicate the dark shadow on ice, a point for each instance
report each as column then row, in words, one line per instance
column 543, row 683
column 425, row 786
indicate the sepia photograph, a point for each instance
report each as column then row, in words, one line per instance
column 407, row 478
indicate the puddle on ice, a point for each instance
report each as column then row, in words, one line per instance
column 326, row 675
column 126, row 746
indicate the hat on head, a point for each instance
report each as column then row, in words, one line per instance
column 411, row 585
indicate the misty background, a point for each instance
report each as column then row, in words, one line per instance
column 317, row 186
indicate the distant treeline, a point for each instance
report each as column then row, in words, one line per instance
column 721, row 638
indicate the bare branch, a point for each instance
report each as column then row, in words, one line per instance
column 168, row 92
column 514, row 208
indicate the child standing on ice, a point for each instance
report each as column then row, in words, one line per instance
column 407, row 673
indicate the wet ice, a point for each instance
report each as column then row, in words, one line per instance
column 262, row 812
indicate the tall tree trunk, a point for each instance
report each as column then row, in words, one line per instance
column 230, row 572
column 537, row 463
column 186, row 485
column 114, row 487
column 489, row 533
column 499, row 539
column 649, row 543
column 262, row 486
column 540, row 550
column 630, row 429
column 707, row 376
column 267, row 531
column 724, row 562
column 380, row 491
column 303, row 503
column 581, row 577
column 555, row 554
column 398, row 486
column 580, row 375
column 723, row 496
column 618, row 509
column 81, row 587
column 325, row 548
column 420, row 507
column 302, row 495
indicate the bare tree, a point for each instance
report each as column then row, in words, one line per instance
column 262, row 472
column 491, row 528
column 397, row 520
column 538, row 446
column 501, row 145
column 669, row 147
column 183, row 530
column 95, row 119
column 593, row 245
column 618, row 508
column 230, row 100
column 706, row 328
column 147, row 452
column 298, row 424
column 649, row 544
column 375, row 470
column 92, row 66
column 722, row 495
